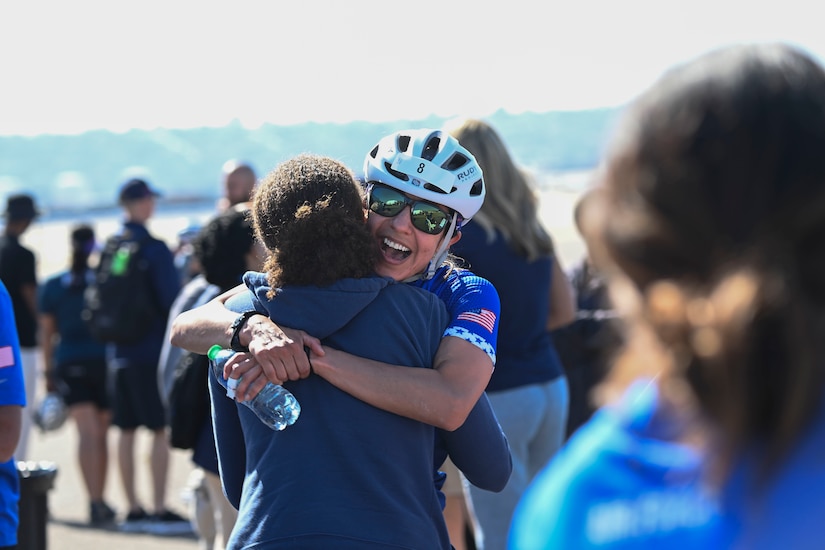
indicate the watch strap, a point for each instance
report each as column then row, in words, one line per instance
column 237, row 326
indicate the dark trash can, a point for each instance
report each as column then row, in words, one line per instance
column 36, row 480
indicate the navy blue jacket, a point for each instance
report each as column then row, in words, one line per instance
column 166, row 285
column 346, row 474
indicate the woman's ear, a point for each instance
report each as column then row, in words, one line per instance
column 456, row 237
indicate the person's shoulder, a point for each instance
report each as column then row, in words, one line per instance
column 55, row 283
column 466, row 282
column 55, row 279
column 458, row 278
column 412, row 291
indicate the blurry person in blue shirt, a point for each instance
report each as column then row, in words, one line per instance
column 709, row 223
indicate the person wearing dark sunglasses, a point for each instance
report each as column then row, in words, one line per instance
column 434, row 179
column 346, row 474
column 433, row 176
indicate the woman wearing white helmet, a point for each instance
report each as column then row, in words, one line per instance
column 422, row 186
column 433, row 167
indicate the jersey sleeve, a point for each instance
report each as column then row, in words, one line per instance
column 473, row 305
column 11, row 368
column 480, row 449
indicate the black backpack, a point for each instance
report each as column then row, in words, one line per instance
column 119, row 305
column 188, row 400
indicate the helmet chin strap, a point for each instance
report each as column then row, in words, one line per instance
column 439, row 256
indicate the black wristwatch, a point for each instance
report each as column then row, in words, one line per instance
column 237, row 326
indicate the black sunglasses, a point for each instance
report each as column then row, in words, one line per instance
column 425, row 216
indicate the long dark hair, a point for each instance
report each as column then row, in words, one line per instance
column 82, row 240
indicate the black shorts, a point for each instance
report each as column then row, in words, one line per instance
column 136, row 398
column 83, row 382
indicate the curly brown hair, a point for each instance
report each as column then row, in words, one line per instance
column 309, row 213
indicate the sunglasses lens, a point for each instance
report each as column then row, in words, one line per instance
column 428, row 218
column 386, row 202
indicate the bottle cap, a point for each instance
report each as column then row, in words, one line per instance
column 214, row 351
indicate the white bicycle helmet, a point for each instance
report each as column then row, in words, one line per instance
column 430, row 164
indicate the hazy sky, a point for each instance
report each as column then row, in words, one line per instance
column 74, row 65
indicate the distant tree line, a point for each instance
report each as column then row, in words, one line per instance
column 85, row 170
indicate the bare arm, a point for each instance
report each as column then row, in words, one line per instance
column 10, row 419
column 442, row 396
column 48, row 328
column 282, row 351
column 200, row 328
column 29, row 292
column 562, row 298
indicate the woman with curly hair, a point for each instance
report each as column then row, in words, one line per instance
column 346, row 474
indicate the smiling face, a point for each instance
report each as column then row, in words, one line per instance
column 404, row 251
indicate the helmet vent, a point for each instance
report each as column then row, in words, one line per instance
column 477, row 188
column 396, row 173
column 431, row 148
column 403, row 143
column 434, row 189
column 374, row 152
column 456, row 161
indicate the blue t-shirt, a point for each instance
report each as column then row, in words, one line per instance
column 526, row 354
column 622, row 482
column 64, row 300
column 12, row 392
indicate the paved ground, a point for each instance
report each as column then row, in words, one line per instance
column 67, row 528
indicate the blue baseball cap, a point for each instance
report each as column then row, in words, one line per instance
column 135, row 189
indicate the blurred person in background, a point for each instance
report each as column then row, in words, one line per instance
column 184, row 252
column 225, row 249
column 709, row 223
column 587, row 344
column 18, row 272
column 75, row 367
column 133, row 368
column 238, row 181
column 508, row 246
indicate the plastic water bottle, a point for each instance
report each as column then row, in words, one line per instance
column 275, row 406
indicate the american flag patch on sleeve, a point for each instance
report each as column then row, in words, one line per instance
column 6, row 356
column 483, row 317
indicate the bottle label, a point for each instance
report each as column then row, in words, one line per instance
column 231, row 385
